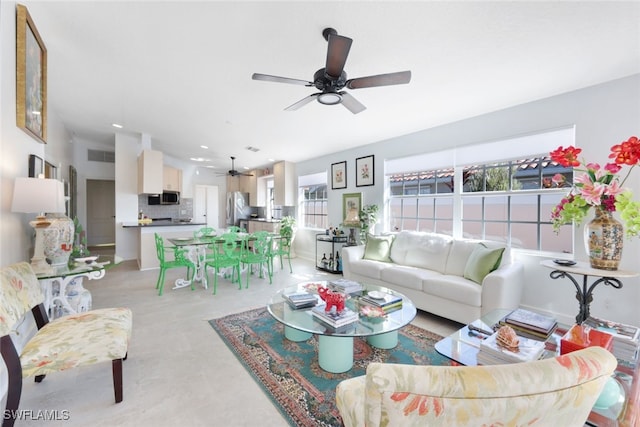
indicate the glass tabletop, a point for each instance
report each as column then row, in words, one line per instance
column 302, row 319
column 88, row 264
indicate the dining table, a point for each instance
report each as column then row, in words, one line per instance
column 196, row 248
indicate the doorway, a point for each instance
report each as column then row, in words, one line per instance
column 101, row 212
column 205, row 205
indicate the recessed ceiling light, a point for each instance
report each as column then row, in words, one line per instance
column 115, row 125
column 199, row 159
column 204, row 146
column 271, row 160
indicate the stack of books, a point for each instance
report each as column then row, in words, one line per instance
column 388, row 304
column 333, row 319
column 529, row 324
column 493, row 354
column 345, row 286
column 301, row 300
column 626, row 338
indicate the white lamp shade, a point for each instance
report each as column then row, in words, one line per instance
column 36, row 195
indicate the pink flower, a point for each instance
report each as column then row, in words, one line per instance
column 613, row 188
column 612, row 168
column 558, row 179
column 592, row 193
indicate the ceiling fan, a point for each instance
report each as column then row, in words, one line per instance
column 331, row 79
column 233, row 171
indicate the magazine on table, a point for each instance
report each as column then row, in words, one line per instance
column 530, row 320
column 301, row 300
column 333, row 318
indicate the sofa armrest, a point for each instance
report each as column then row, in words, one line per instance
column 503, row 288
column 350, row 400
column 350, row 254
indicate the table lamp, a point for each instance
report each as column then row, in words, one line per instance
column 38, row 195
column 352, row 220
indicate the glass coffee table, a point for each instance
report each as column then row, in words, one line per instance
column 335, row 346
column 463, row 345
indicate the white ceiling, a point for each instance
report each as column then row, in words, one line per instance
column 180, row 71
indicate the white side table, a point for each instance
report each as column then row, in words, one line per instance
column 63, row 290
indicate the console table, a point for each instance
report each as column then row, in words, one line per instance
column 63, row 290
column 584, row 291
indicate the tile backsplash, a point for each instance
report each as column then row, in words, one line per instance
column 181, row 211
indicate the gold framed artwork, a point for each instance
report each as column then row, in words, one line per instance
column 338, row 175
column 31, row 77
column 364, row 171
column 351, row 205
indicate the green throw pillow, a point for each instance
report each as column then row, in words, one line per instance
column 378, row 248
column 481, row 262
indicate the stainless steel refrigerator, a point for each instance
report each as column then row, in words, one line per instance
column 237, row 207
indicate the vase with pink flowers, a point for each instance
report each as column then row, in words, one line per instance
column 601, row 189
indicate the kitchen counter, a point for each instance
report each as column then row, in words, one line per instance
column 163, row 223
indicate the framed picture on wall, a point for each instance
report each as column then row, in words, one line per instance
column 338, row 175
column 351, row 205
column 31, row 77
column 35, row 166
column 364, row 171
column 50, row 171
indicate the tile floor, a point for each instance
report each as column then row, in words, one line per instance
column 179, row 372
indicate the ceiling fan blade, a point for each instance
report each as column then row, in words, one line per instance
column 351, row 103
column 302, row 102
column 337, row 54
column 399, row 78
column 276, row 79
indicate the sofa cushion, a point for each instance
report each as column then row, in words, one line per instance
column 418, row 249
column 406, row 276
column 454, row 288
column 378, row 248
column 368, row 268
column 481, row 262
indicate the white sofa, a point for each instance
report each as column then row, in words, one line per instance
column 441, row 275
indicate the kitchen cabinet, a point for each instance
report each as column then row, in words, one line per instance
column 150, row 172
column 171, row 179
column 269, row 226
column 284, row 184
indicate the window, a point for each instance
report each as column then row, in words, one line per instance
column 509, row 200
column 313, row 201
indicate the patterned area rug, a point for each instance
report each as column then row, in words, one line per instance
column 289, row 373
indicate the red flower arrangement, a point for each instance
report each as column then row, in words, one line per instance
column 598, row 187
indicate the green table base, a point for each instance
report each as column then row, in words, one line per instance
column 385, row 341
column 335, row 354
column 296, row 335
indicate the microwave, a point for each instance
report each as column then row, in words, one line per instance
column 166, row 198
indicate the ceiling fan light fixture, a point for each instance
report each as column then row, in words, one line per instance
column 330, row 98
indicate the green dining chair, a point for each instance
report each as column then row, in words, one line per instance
column 226, row 254
column 256, row 250
column 204, row 232
column 178, row 259
column 235, row 229
column 282, row 247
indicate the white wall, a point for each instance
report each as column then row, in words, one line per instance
column 603, row 115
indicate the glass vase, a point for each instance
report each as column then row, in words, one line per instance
column 603, row 239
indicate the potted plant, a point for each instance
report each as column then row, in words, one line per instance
column 368, row 219
column 287, row 226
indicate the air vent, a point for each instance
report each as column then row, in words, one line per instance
column 101, row 156
column 254, row 149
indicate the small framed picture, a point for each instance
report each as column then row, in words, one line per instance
column 364, row 171
column 50, row 171
column 35, row 166
column 338, row 175
column 351, row 205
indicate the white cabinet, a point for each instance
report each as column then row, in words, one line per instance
column 284, row 184
column 171, row 179
column 150, row 172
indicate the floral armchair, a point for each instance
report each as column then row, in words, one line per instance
column 67, row 342
column 552, row 392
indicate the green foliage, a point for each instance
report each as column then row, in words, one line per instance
column 629, row 211
column 368, row 217
column 492, row 179
column 287, row 225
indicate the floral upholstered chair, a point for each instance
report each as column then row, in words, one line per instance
column 553, row 392
column 81, row 339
